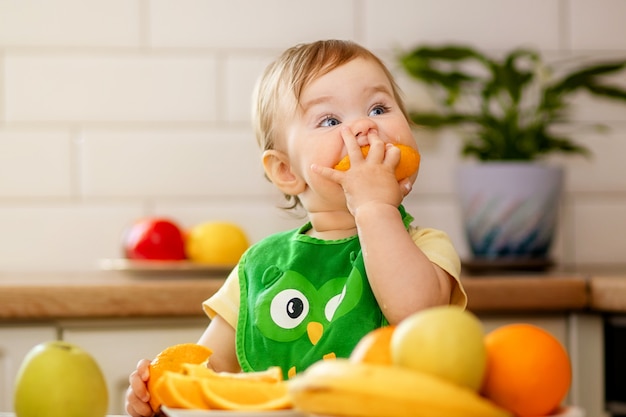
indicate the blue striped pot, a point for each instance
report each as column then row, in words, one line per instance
column 510, row 210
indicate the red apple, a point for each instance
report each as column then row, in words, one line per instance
column 154, row 238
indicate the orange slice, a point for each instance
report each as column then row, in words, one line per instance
column 272, row 374
column 408, row 165
column 172, row 359
column 244, row 394
column 180, row 391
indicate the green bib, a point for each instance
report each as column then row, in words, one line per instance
column 302, row 300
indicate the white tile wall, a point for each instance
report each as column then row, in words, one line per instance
column 495, row 24
column 109, row 87
column 88, row 23
column 171, row 163
column 596, row 25
column 35, row 163
column 114, row 109
column 248, row 24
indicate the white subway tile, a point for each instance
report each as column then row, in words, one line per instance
column 35, row 163
column 604, row 171
column 108, row 87
column 493, row 24
column 248, row 24
column 600, row 231
column 171, row 162
column 241, row 74
column 597, row 25
column 61, row 237
column 69, row 23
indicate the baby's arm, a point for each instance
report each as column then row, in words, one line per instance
column 402, row 278
column 219, row 336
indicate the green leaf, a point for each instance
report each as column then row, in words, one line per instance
column 607, row 91
column 588, row 75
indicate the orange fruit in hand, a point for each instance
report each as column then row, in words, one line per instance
column 374, row 347
column 528, row 370
column 172, row 359
column 408, row 165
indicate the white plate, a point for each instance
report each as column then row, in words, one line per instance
column 178, row 412
column 570, row 412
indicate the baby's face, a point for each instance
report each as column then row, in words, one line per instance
column 357, row 95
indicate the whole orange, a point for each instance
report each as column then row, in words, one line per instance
column 374, row 347
column 528, row 370
column 409, row 161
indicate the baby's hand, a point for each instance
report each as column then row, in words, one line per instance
column 408, row 165
column 371, row 178
column 137, row 396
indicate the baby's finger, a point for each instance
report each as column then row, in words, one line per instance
column 328, row 173
column 392, row 155
column 377, row 148
column 352, row 146
column 143, row 369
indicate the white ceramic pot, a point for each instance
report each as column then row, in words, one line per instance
column 510, row 209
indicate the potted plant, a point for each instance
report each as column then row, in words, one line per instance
column 508, row 111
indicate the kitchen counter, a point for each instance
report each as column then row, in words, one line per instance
column 107, row 294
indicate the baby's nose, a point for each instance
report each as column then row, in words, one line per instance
column 361, row 128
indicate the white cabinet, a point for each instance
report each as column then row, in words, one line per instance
column 117, row 346
column 15, row 343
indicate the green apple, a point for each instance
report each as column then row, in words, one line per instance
column 59, row 379
column 445, row 341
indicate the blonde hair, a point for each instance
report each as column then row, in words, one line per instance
column 280, row 86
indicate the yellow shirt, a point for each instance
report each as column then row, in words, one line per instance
column 435, row 244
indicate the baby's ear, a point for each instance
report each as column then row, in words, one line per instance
column 278, row 170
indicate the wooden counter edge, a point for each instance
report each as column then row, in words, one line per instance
column 540, row 294
column 130, row 299
column 608, row 293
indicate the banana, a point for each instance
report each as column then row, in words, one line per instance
column 342, row 388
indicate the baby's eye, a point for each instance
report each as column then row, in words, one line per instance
column 378, row 110
column 329, row 121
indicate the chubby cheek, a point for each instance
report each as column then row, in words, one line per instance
column 403, row 134
column 323, row 155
